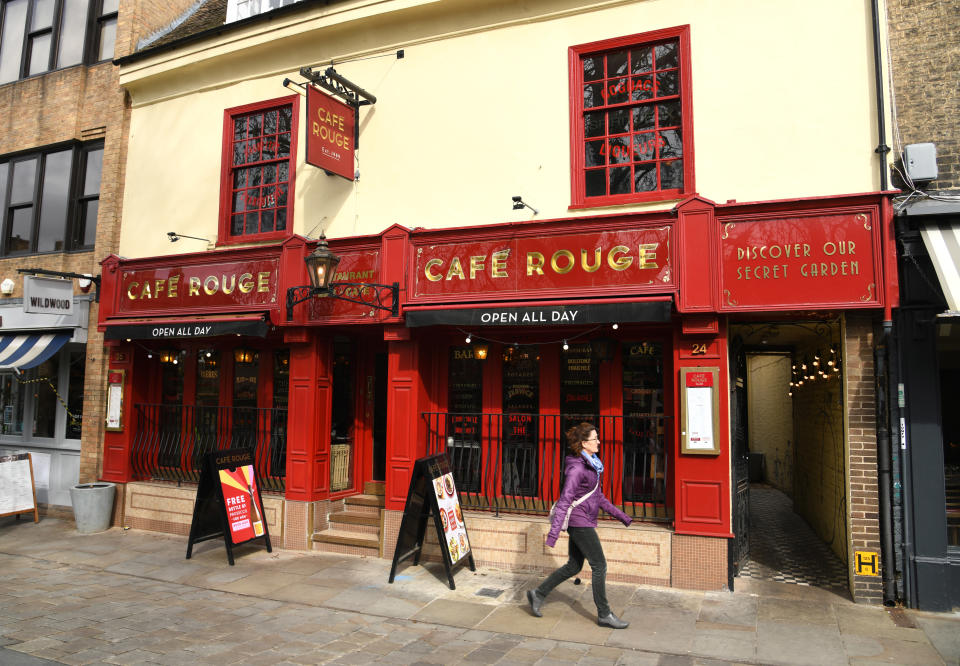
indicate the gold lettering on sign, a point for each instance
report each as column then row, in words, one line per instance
column 263, row 282
column 172, row 284
column 498, row 269
column 535, row 263
column 555, row 265
column 245, row 284
column 194, row 289
column 456, row 270
column 131, row 291
column 590, row 268
column 648, row 255
column 476, row 264
column 233, row 284
column 207, row 288
column 433, row 277
column 619, row 263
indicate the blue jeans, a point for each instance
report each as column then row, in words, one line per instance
column 583, row 544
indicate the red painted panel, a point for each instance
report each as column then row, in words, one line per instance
column 353, row 267
column 815, row 260
column 700, row 502
column 638, row 259
column 297, row 476
column 218, row 285
column 697, row 265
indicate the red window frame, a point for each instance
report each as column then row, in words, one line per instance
column 624, row 85
column 227, row 190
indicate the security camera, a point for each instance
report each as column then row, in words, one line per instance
column 172, row 235
column 517, row 199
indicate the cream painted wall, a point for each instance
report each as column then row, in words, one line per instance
column 770, row 417
column 478, row 109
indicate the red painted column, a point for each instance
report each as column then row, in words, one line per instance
column 118, row 445
column 308, row 418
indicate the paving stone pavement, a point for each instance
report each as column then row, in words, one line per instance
column 130, row 597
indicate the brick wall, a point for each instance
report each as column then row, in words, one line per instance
column 925, row 53
column 862, row 442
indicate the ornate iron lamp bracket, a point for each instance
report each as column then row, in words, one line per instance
column 366, row 293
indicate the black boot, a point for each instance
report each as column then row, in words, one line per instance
column 612, row 621
column 536, row 601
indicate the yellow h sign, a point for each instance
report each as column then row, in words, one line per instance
column 866, row 563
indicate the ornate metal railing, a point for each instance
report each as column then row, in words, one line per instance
column 513, row 463
column 169, row 441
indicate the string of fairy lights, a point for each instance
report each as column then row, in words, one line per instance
column 824, row 366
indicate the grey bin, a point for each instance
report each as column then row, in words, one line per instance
column 93, row 506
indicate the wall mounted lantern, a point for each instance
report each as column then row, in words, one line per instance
column 321, row 265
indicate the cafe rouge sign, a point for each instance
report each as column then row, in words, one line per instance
column 226, row 284
column 626, row 258
column 805, row 261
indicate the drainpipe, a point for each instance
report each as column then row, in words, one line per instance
column 882, row 148
column 884, row 458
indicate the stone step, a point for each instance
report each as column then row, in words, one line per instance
column 375, row 488
column 365, row 500
column 357, row 523
column 341, row 541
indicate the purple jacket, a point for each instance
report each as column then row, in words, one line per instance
column 581, row 479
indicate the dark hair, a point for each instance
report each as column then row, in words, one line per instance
column 577, row 434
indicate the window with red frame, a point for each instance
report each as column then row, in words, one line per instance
column 260, row 146
column 632, row 126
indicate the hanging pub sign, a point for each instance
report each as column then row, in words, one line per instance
column 803, row 261
column 331, row 132
column 44, row 295
column 228, row 502
column 433, row 491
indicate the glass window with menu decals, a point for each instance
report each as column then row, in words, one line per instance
column 464, row 406
column 521, row 405
column 579, row 388
column 632, row 134
column 643, row 426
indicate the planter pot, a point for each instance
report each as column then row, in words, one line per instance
column 93, row 506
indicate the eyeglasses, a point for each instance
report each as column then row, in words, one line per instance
column 592, row 439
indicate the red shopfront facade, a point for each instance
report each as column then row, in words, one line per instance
column 506, row 335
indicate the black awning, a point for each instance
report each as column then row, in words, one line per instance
column 658, row 310
column 175, row 328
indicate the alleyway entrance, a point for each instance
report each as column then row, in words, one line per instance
column 783, row 547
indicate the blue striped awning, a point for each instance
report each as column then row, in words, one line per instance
column 28, row 350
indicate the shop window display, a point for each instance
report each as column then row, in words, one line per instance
column 643, row 446
column 465, row 405
column 521, row 404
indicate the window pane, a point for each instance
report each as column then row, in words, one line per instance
column 595, row 182
column 593, row 68
column 267, row 220
column 641, row 87
column 87, row 234
column 11, row 41
column 644, row 146
column 12, row 394
column 641, row 60
column 286, row 116
column 642, row 118
column 281, row 219
column 592, row 95
column 619, row 121
column 667, row 55
column 54, row 202
column 579, row 388
column 73, row 30
column 668, row 83
column 620, row 180
column 671, row 175
column 75, row 394
column 593, row 124
column 39, row 54
column 21, row 225
column 110, row 7
column 670, row 144
column 668, row 114
column 46, row 404
column 617, row 92
column 617, row 63
column 521, row 404
column 24, row 178
column 92, row 171
column 4, row 172
column 42, row 15
column 595, row 151
column 645, row 178
column 108, row 37
column 619, row 150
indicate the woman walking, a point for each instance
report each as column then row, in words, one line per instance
column 576, row 512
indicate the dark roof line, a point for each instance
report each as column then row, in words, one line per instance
column 218, row 30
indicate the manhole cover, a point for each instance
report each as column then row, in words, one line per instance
column 489, row 592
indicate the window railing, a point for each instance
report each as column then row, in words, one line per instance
column 514, row 463
column 170, row 441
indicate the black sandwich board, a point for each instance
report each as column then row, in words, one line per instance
column 228, row 502
column 433, row 491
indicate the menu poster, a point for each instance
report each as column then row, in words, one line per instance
column 228, row 502
column 451, row 518
column 699, row 407
column 433, row 492
column 17, row 493
column 245, row 517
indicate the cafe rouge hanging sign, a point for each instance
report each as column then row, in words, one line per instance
column 330, row 134
column 806, row 261
column 637, row 259
column 193, row 287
